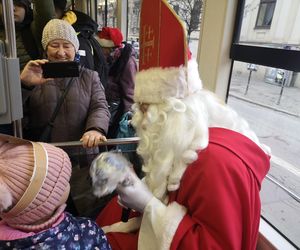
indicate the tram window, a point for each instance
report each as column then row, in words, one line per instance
column 133, row 21
column 189, row 11
column 107, row 13
column 265, row 89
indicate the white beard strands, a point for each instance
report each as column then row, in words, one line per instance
column 168, row 143
column 175, row 130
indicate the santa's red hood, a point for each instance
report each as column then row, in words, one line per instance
column 253, row 156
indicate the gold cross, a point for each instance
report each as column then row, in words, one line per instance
column 147, row 44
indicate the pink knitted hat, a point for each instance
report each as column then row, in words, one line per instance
column 34, row 178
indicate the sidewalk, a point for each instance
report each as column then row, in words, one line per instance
column 266, row 94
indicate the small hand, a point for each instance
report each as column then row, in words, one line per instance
column 32, row 73
column 133, row 193
column 92, row 138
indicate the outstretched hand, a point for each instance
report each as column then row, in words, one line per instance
column 92, row 138
column 32, row 73
column 133, row 193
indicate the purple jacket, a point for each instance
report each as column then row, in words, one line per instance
column 122, row 88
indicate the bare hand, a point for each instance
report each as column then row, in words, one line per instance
column 32, row 73
column 92, row 138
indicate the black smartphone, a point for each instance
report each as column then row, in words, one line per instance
column 60, row 69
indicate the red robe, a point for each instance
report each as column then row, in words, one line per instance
column 217, row 205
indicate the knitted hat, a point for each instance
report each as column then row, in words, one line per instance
column 34, row 178
column 110, row 37
column 59, row 29
column 164, row 67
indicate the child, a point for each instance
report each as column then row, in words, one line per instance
column 34, row 186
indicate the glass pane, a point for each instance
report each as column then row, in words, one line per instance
column 111, row 18
column 190, row 13
column 133, row 19
column 261, row 15
column 271, row 24
column 269, row 99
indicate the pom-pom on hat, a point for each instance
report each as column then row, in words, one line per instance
column 110, row 37
column 59, row 29
column 164, row 67
column 34, row 182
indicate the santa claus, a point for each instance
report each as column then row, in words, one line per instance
column 203, row 165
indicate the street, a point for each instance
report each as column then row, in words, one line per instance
column 281, row 132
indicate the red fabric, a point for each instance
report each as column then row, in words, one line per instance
column 221, row 193
column 113, row 34
column 112, row 213
column 163, row 41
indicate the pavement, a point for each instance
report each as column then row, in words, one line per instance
column 280, row 191
column 266, row 94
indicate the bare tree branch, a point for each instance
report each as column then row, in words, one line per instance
column 189, row 11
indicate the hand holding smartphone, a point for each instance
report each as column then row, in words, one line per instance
column 60, row 69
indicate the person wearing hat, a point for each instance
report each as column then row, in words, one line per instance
column 84, row 114
column 203, row 165
column 90, row 52
column 122, row 65
column 25, row 41
column 34, row 186
column 26, row 45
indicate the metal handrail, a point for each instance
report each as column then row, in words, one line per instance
column 109, row 142
column 120, row 141
column 289, row 192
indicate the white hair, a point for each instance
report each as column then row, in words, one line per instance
column 172, row 132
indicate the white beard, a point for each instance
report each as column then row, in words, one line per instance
column 172, row 133
column 168, row 143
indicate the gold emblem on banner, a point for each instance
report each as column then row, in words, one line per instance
column 147, row 44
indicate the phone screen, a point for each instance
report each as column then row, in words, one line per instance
column 60, row 69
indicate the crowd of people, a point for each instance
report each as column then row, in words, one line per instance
column 202, row 164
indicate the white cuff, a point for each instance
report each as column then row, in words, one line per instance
column 159, row 224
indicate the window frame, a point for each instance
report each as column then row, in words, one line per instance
column 266, row 56
column 282, row 58
column 266, row 3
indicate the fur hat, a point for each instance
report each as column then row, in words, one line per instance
column 59, row 29
column 34, row 179
column 110, row 37
column 165, row 69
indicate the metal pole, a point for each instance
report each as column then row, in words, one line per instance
column 281, row 90
column 9, row 24
column 10, row 46
column 248, row 83
column 106, row 13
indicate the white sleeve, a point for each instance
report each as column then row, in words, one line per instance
column 159, row 224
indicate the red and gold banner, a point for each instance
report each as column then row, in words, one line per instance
column 163, row 40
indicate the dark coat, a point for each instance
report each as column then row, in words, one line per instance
column 84, row 108
column 120, row 89
column 93, row 58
